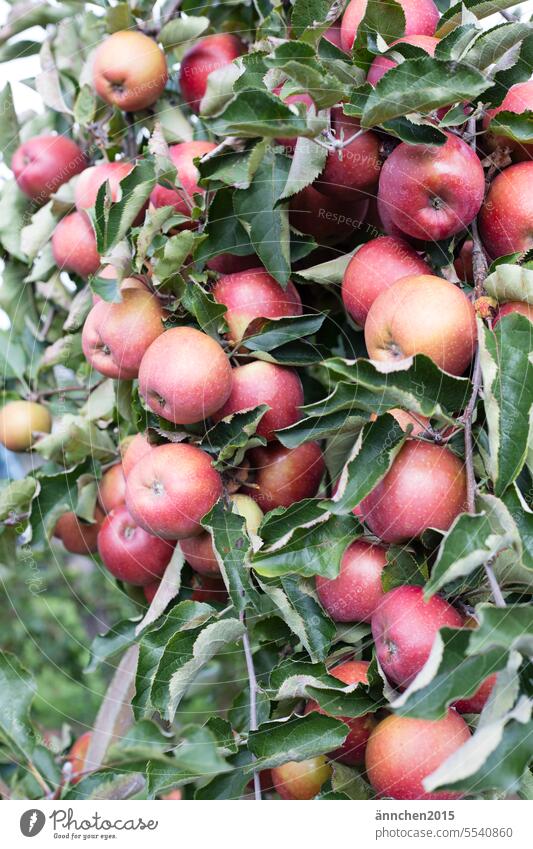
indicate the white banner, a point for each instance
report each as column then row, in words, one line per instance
column 239, row 824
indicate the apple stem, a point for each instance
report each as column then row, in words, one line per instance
column 252, row 681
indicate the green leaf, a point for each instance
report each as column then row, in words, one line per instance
column 9, row 128
column 510, row 628
column 112, row 221
column 85, row 106
column 169, row 259
column 208, row 313
column 279, row 331
column 480, row 8
column 232, row 169
column 105, row 647
column 16, row 498
column 308, row 14
column 508, row 394
column 258, row 113
column 13, row 214
column 494, row 45
column 74, row 439
column 231, row 438
column 225, row 233
column 510, row 283
column 182, row 29
column 298, row 61
column 296, row 739
column 17, row 689
column 518, row 127
column 402, row 568
column 307, row 164
column 38, row 232
column 330, row 273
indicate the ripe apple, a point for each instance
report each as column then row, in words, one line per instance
column 130, row 553
column 182, row 157
column 329, row 220
column 418, row 422
column 150, row 590
column 76, row 757
column 301, row 779
column 251, row 296
column 112, row 488
column 505, row 217
column 373, row 269
column 136, row 449
column 185, row 376
column 198, row 551
column 382, row 64
column 129, row 70
column 77, row 536
column 353, row 172
column 432, row 192
column 402, row 752
column 285, row 475
column 265, row 383
column 90, row 181
column 421, row 18
column 355, row 594
column 209, row 590
column 232, row 263
column 171, row 489
column 424, row 488
column 352, row 751
column 204, row 57
column 422, row 314
column 464, row 264
column 476, row 702
column 511, row 307
column 518, row 99
column 404, row 627
column 116, row 336
column 19, row 421
column 42, row 164
column 74, row 245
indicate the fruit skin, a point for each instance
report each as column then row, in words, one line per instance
column 129, row 552
column 402, row 752
column 112, row 488
column 329, row 220
column 129, row 70
column 421, row 18
column 74, row 245
column 116, row 336
column 505, row 217
column 464, row 263
column 476, row 702
column 285, row 475
column 432, row 192
column 42, row 164
column 19, row 420
column 76, row 756
column 382, row 64
column 89, row 183
column 518, row 99
column 77, row 536
column 171, row 489
column 209, row 590
column 185, row 376
column 265, row 383
column 355, row 170
column 520, row 307
column 136, row 449
column 419, row 423
column 423, row 314
column 150, row 590
column 251, row 296
column 404, row 628
column 424, row 488
column 355, row 594
column 373, row 269
column 182, row 157
column 231, row 263
column 352, row 751
column 204, row 57
column 301, row 779
column 198, row 551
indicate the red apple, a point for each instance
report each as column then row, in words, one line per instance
column 432, row 192
column 421, row 18
column 355, row 594
column 130, row 553
column 74, row 245
column 129, row 70
column 353, row 171
column 117, row 335
column 285, row 475
column 329, row 220
column 402, row 752
column 185, row 376
column 207, row 55
column 89, row 183
column 182, row 157
column 382, row 64
column 511, row 307
column 251, row 296
column 112, row 488
column 76, row 757
column 42, row 164
column 135, row 450
column 150, row 590
column 77, row 536
column 476, row 702
column 373, row 269
column 265, row 383
column 423, row 314
column 505, row 217
column 464, row 264
column 208, row 590
column 171, row 489
column 404, row 627
column 231, row 263
column 518, row 99
column 301, row 779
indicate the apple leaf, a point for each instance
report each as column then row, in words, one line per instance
column 16, row 498
column 183, row 29
column 277, row 332
column 307, row 163
column 494, row 44
column 279, row 525
column 523, row 519
column 480, row 8
column 225, row 233
column 230, row 438
column 9, row 130
column 309, row 14
column 295, row 739
column 106, row 647
column 298, row 62
column 112, row 221
column 231, row 785
column 17, row 689
column 259, row 113
column 508, row 393
column 330, row 273
column 510, row 628
column 510, row 283
column 518, row 127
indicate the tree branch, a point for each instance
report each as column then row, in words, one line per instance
column 252, row 682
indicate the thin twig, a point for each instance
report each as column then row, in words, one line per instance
column 39, row 779
column 469, row 448
column 252, row 681
column 60, row 390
